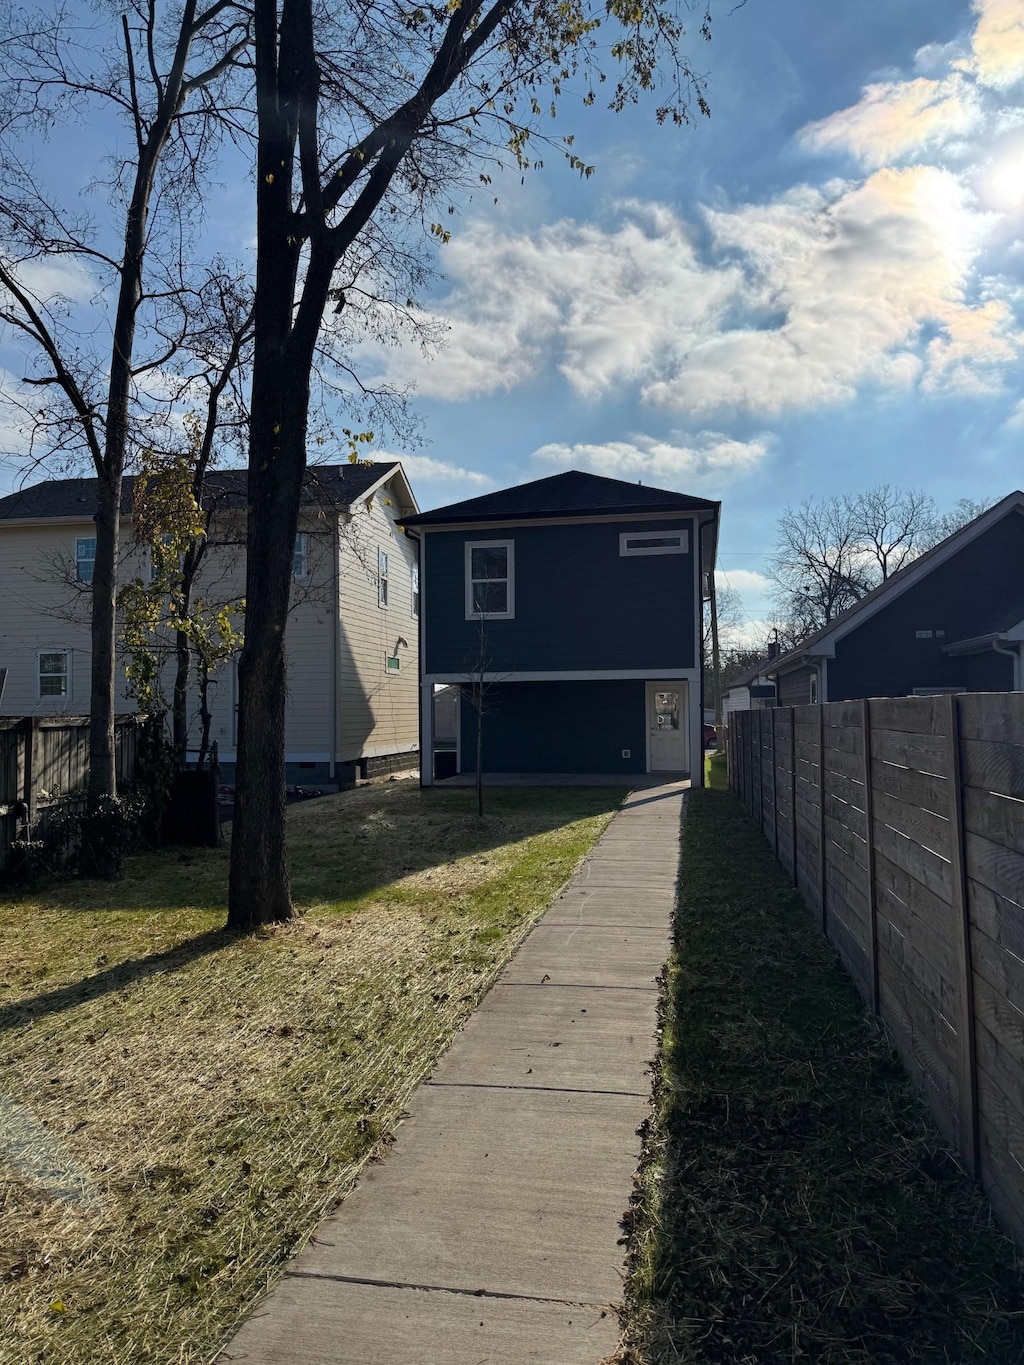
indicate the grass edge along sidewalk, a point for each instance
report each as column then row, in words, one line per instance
column 179, row 1107
column 795, row 1202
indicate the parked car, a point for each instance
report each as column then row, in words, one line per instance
column 710, row 737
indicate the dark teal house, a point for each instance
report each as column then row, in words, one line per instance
column 950, row 621
column 572, row 606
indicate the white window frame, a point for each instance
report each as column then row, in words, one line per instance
column 53, row 696
column 300, row 557
column 812, row 689
column 509, row 546
column 382, row 579
column 416, row 590
column 89, row 559
column 679, row 532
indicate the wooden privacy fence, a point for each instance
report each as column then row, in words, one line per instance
column 44, row 767
column 901, row 821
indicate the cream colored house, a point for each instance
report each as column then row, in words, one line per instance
column 352, row 633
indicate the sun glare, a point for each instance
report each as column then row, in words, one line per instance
column 1004, row 182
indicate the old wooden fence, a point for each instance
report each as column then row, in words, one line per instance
column 44, row 767
column 901, row 821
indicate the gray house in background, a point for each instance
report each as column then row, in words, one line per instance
column 951, row 621
column 753, row 689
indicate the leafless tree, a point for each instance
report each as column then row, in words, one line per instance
column 893, row 525
column 162, row 72
column 819, row 567
column 368, row 115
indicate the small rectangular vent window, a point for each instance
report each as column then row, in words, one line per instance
column 655, row 543
column 392, row 663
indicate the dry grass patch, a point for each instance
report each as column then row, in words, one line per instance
column 179, row 1106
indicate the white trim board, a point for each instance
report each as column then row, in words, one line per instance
column 570, row 675
column 510, row 523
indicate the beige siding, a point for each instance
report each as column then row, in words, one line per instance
column 378, row 710
column 338, row 687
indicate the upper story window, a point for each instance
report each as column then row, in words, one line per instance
column 490, row 580
column 813, row 689
column 654, row 543
column 54, row 672
column 415, row 590
column 85, row 558
column 382, row 578
column 300, row 558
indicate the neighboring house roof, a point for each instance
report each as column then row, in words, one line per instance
column 1012, row 635
column 821, row 644
column 571, row 494
column 75, row 499
column 758, row 670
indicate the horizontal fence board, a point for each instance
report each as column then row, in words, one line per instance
column 905, row 784
column 995, row 817
column 1002, row 970
column 1005, row 1023
column 924, row 753
column 849, row 880
column 845, row 741
column 998, row 868
column 1002, row 1073
column 995, row 716
column 847, row 841
column 910, row 715
column 900, row 916
column 847, row 766
column 931, row 870
column 849, row 787
column 935, row 911
column 921, row 1060
column 994, row 767
column 926, row 828
column 842, row 715
column 938, row 1053
column 1001, row 1171
column 850, row 950
column 1000, row 919
column 934, row 986
column 841, row 816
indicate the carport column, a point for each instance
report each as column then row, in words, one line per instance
column 426, row 734
column 696, row 732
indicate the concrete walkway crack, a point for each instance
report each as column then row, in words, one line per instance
column 449, row 1289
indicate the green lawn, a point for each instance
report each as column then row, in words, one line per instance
column 180, row 1106
column 796, row 1201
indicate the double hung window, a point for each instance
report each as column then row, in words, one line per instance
column 85, row 558
column 490, row 580
column 54, row 675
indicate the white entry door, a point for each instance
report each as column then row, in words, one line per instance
column 668, row 749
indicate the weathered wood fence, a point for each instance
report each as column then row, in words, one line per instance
column 44, row 767
column 901, row 821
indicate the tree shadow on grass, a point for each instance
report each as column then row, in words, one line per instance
column 343, row 848
column 116, row 978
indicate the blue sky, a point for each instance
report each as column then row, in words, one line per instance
column 817, row 290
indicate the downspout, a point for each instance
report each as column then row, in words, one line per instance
column 1014, row 654
column 421, row 661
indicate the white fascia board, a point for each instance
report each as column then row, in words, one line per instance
column 684, row 514
column 394, row 470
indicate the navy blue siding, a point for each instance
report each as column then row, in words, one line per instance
column 559, row 727
column 579, row 604
column 978, row 591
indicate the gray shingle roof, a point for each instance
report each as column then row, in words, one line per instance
column 571, row 494
column 332, row 485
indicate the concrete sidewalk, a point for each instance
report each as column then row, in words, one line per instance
column 490, row 1235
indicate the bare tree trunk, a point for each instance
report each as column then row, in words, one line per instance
column 102, row 769
column 205, row 714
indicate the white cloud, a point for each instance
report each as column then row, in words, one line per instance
column 53, row 278
column 743, row 580
column 895, row 119
column 711, row 456
column 425, row 469
column 998, row 42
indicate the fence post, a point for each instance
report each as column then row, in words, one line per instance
column 32, row 730
column 792, row 784
column 969, row 1147
column 760, row 775
column 865, row 722
column 775, row 786
column 821, row 816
